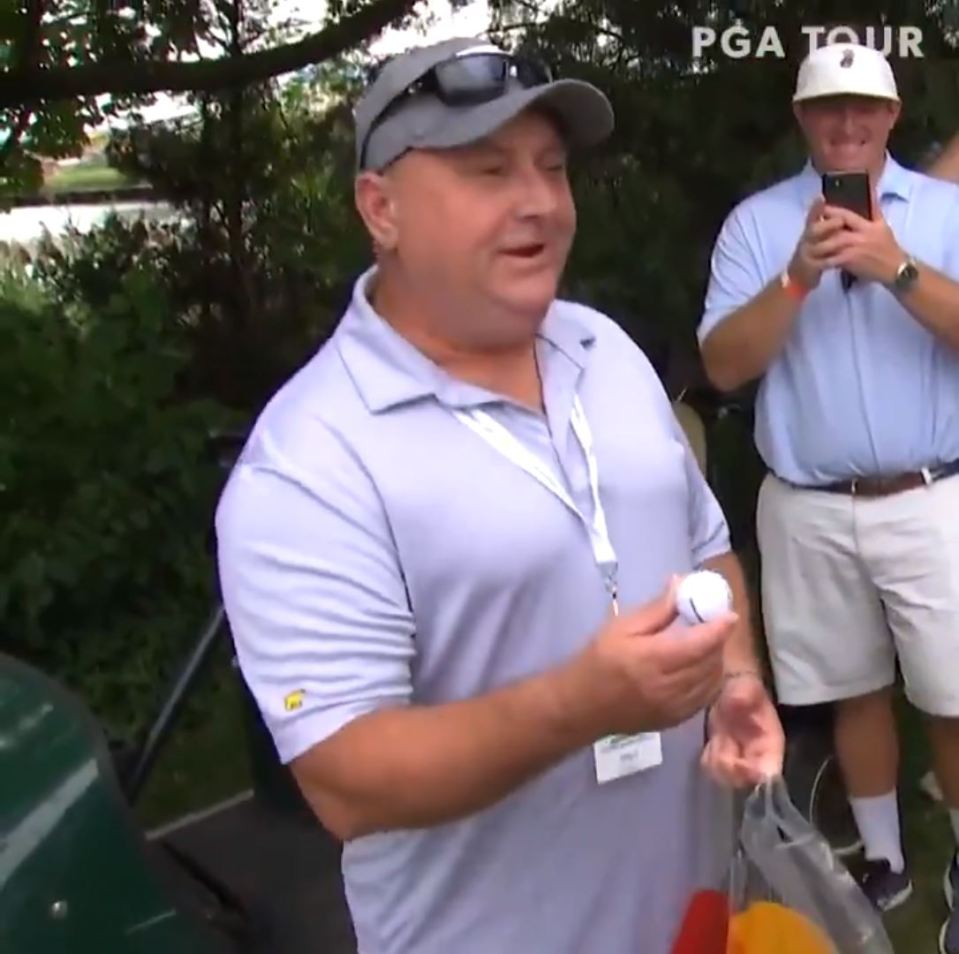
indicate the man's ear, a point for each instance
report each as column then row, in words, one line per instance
column 376, row 204
column 895, row 110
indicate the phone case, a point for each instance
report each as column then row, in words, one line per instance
column 848, row 190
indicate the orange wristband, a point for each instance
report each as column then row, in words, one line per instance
column 791, row 287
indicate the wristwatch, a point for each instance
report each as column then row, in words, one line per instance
column 906, row 276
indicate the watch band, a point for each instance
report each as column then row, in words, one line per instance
column 906, row 275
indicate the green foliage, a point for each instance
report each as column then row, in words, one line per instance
column 106, row 482
column 143, row 45
column 73, row 33
column 122, row 353
column 269, row 243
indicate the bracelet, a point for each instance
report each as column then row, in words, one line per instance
column 739, row 673
column 791, row 287
column 728, row 678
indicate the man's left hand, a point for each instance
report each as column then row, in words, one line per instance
column 865, row 248
column 746, row 742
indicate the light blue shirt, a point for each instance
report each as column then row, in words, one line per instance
column 861, row 388
column 374, row 551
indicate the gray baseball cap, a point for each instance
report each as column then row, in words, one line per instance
column 388, row 126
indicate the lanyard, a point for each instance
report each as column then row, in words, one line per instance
column 500, row 439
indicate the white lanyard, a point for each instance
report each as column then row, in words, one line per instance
column 499, row 438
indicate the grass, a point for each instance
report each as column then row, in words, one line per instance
column 914, row 928
column 206, row 759
column 90, row 176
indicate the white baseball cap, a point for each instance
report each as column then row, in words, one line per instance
column 849, row 69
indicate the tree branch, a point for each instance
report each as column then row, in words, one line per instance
column 36, row 85
column 29, row 47
column 564, row 18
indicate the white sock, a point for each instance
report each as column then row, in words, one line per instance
column 954, row 817
column 878, row 822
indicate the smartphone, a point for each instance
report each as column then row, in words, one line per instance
column 848, row 190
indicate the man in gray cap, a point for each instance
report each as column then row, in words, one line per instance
column 449, row 558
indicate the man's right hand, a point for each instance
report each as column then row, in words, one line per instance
column 816, row 244
column 642, row 672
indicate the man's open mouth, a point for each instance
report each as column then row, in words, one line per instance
column 527, row 251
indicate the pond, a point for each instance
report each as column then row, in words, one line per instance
column 26, row 225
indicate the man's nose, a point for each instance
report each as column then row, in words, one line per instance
column 848, row 118
column 537, row 192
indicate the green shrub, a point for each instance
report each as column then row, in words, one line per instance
column 106, row 487
column 268, row 243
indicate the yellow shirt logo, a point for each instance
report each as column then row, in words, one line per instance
column 293, row 700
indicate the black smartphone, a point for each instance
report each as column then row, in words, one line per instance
column 848, row 190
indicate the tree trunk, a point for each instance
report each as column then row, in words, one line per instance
column 236, row 193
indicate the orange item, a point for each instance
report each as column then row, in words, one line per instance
column 792, row 288
column 769, row 928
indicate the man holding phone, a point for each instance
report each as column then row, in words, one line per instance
column 857, row 419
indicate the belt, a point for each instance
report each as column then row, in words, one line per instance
column 892, row 484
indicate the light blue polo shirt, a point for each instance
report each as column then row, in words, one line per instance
column 374, row 551
column 861, row 388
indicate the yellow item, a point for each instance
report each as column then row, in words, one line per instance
column 769, row 928
column 294, row 700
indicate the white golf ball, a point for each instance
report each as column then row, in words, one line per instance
column 703, row 596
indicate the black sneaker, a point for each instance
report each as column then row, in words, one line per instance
column 949, row 935
column 950, row 881
column 885, row 888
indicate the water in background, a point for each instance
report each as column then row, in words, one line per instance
column 25, row 226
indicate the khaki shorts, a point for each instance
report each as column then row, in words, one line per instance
column 849, row 583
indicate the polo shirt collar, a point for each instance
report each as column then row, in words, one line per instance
column 389, row 371
column 896, row 181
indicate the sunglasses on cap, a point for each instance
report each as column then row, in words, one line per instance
column 469, row 80
column 479, row 77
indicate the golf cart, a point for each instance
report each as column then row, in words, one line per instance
column 78, row 875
